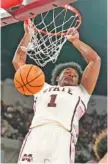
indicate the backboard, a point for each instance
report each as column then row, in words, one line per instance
column 29, row 9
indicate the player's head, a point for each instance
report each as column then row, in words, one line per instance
column 100, row 145
column 67, row 74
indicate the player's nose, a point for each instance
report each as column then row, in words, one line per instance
column 71, row 75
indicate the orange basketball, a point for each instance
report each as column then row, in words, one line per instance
column 29, row 79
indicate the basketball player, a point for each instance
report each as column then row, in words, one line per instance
column 58, row 107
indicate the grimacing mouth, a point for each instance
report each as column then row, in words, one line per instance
column 69, row 78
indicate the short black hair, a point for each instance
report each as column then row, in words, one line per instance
column 60, row 67
column 100, row 145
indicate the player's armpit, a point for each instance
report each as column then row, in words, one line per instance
column 90, row 75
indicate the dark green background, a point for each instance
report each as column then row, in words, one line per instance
column 93, row 31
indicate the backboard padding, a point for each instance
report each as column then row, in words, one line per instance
column 32, row 9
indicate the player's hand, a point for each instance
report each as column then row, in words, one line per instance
column 72, row 35
column 28, row 28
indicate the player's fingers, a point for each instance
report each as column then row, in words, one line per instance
column 69, row 37
column 71, row 30
column 75, row 32
column 26, row 25
column 26, row 22
column 30, row 23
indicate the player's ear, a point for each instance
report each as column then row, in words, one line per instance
column 57, row 78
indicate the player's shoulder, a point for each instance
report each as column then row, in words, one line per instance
column 46, row 85
column 79, row 89
column 83, row 94
column 82, row 89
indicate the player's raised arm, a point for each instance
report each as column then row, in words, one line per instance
column 91, row 72
column 20, row 55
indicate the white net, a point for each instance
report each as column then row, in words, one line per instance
column 49, row 36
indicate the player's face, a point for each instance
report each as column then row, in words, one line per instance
column 69, row 77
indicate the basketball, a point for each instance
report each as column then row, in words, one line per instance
column 29, row 79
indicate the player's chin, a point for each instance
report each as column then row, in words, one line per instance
column 67, row 83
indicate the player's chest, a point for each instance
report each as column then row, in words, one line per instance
column 62, row 90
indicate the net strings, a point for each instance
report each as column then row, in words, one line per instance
column 44, row 48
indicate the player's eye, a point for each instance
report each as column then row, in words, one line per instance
column 67, row 72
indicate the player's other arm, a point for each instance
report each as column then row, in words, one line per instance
column 20, row 55
column 91, row 72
